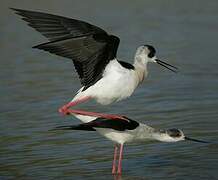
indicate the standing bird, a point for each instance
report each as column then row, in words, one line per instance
column 93, row 52
column 125, row 130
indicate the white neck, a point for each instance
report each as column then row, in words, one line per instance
column 144, row 132
column 161, row 136
column 148, row 133
column 140, row 64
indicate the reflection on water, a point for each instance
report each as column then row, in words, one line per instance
column 34, row 85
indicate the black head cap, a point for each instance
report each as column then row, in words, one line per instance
column 152, row 51
column 175, row 133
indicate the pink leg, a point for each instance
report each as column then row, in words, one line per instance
column 86, row 113
column 119, row 170
column 64, row 108
column 115, row 159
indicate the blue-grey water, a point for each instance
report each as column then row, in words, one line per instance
column 34, row 84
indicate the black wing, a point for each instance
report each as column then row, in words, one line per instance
column 90, row 47
column 116, row 124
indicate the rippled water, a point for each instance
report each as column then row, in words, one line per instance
column 35, row 84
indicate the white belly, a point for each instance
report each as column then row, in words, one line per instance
column 117, row 83
column 116, row 136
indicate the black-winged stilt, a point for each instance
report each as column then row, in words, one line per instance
column 124, row 130
column 93, row 52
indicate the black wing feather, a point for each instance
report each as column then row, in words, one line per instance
column 115, row 124
column 75, row 127
column 90, row 47
column 56, row 27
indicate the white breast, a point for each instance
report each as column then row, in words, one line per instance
column 117, row 136
column 116, row 84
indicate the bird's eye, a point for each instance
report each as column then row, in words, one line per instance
column 151, row 50
column 174, row 133
column 151, row 54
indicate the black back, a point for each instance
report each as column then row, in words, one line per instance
column 90, row 47
column 115, row 124
column 126, row 65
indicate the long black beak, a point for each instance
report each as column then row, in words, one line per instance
column 195, row 140
column 166, row 65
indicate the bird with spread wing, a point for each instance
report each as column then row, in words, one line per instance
column 93, row 52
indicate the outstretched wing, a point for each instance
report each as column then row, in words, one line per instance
column 57, row 27
column 115, row 124
column 90, row 47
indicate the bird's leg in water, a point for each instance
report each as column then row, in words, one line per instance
column 66, row 111
column 119, row 170
column 115, row 159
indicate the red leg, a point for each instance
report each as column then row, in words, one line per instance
column 86, row 113
column 119, row 170
column 115, row 159
column 64, row 108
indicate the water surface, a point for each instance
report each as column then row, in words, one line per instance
column 35, row 84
